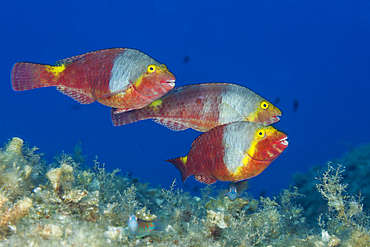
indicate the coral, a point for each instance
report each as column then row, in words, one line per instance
column 216, row 219
column 20, row 169
column 49, row 231
column 225, row 204
column 11, row 213
column 61, row 178
column 144, row 214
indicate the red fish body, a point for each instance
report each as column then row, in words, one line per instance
column 122, row 78
column 203, row 107
column 231, row 152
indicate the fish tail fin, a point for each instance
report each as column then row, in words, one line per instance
column 158, row 226
column 25, row 76
column 180, row 164
column 127, row 117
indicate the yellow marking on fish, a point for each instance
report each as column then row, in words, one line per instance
column 56, row 70
column 246, row 159
column 184, row 160
column 252, row 149
column 155, row 104
column 138, row 80
column 252, row 117
column 240, row 170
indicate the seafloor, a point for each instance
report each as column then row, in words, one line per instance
column 65, row 204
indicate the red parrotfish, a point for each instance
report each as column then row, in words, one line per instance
column 236, row 189
column 141, row 228
column 231, row 152
column 203, row 107
column 122, row 78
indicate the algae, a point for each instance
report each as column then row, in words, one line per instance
column 65, row 204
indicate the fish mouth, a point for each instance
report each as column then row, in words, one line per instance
column 284, row 141
column 168, row 84
column 171, row 82
column 271, row 120
column 274, row 119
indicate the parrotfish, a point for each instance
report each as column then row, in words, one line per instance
column 231, row 152
column 236, row 189
column 141, row 228
column 203, row 107
column 122, row 78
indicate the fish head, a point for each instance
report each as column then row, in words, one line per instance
column 132, row 223
column 266, row 113
column 155, row 82
column 268, row 143
column 232, row 193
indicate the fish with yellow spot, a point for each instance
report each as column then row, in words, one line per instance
column 231, row 152
column 141, row 228
column 203, row 107
column 122, row 78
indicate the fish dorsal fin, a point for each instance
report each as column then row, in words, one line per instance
column 77, row 96
column 228, row 113
column 205, row 180
column 69, row 60
column 172, row 125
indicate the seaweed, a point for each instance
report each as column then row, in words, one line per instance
column 65, row 204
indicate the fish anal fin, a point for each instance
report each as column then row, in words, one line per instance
column 204, row 179
column 172, row 125
column 77, row 96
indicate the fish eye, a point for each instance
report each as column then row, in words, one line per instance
column 261, row 133
column 151, row 68
column 264, row 105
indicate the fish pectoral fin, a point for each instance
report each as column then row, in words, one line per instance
column 77, row 96
column 204, row 179
column 172, row 125
column 122, row 90
column 229, row 113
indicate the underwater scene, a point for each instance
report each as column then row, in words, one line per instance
column 184, row 123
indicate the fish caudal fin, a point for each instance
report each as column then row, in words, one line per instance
column 25, row 76
column 180, row 164
column 158, row 226
column 123, row 118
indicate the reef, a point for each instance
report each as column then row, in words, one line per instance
column 66, row 203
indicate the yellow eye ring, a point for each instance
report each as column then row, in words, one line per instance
column 261, row 133
column 264, row 105
column 151, row 68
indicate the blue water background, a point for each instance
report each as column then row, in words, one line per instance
column 314, row 52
